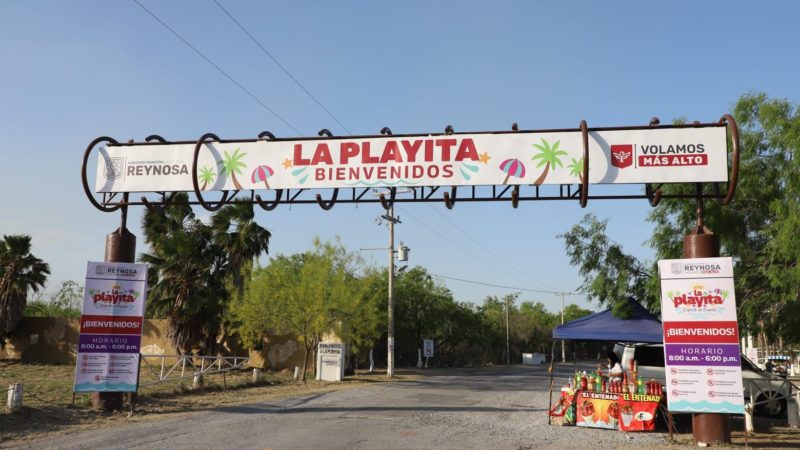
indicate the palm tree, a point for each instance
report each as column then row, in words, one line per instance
column 240, row 238
column 548, row 157
column 232, row 164
column 194, row 268
column 20, row 272
column 207, row 175
column 576, row 169
column 185, row 280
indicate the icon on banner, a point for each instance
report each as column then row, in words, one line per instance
column 114, row 167
column 710, row 371
column 621, row 155
column 710, row 382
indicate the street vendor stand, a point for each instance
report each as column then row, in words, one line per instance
column 612, row 410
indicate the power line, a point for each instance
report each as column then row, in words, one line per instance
column 482, row 260
column 213, row 64
column 513, row 288
column 487, row 249
column 285, row 70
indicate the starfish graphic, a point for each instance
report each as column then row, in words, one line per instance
column 485, row 158
column 287, row 163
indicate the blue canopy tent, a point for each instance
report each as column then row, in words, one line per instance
column 640, row 327
column 603, row 326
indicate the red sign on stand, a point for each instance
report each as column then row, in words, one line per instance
column 638, row 412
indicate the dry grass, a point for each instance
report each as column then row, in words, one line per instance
column 47, row 399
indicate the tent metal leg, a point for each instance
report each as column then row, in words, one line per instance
column 552, row 363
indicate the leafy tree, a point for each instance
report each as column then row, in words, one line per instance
column 20, row 272
column 573, row 311
column 308, row 294
column 65, row 302
column 420, row 305
column 609, row 274
column 758, row 228
column 365, row 318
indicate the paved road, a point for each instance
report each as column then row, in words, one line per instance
column 498, row 408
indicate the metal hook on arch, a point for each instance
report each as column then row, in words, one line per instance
column 653, row 195
column 450, row 198
column 387, row 204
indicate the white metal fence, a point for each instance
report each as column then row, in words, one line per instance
column 168, row 367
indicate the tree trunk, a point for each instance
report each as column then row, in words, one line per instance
column 305, row 362
column 235, row 181
column 543, row 176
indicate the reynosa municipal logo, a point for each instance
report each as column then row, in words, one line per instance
column 114, row 168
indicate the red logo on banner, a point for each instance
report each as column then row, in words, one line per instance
column 622, row 155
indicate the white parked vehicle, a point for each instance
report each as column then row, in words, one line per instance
column 769, row 391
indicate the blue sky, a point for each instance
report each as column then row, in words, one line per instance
column 73, row 71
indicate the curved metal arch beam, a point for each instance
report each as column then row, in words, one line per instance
column 208, row 137
column 730, row 122
column 266, row 135
column 585, row 182
column 84, row 179
column 515, row 191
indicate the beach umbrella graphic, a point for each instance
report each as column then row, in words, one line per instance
column 261, row 174
column 512, row 167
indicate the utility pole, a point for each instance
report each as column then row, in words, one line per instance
column 402, row 255
column 508, row 344
column 390, row 335
column 563, row 347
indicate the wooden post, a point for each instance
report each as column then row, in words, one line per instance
column 14, row 402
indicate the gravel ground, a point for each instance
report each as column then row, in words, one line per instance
column 479, row 408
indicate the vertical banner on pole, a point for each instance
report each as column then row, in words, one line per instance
column 701, row 336
column 111, row 327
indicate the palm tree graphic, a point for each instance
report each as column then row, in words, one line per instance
column 548, row 157
column 232, row 164
column 207, row 176
column 576, row 169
